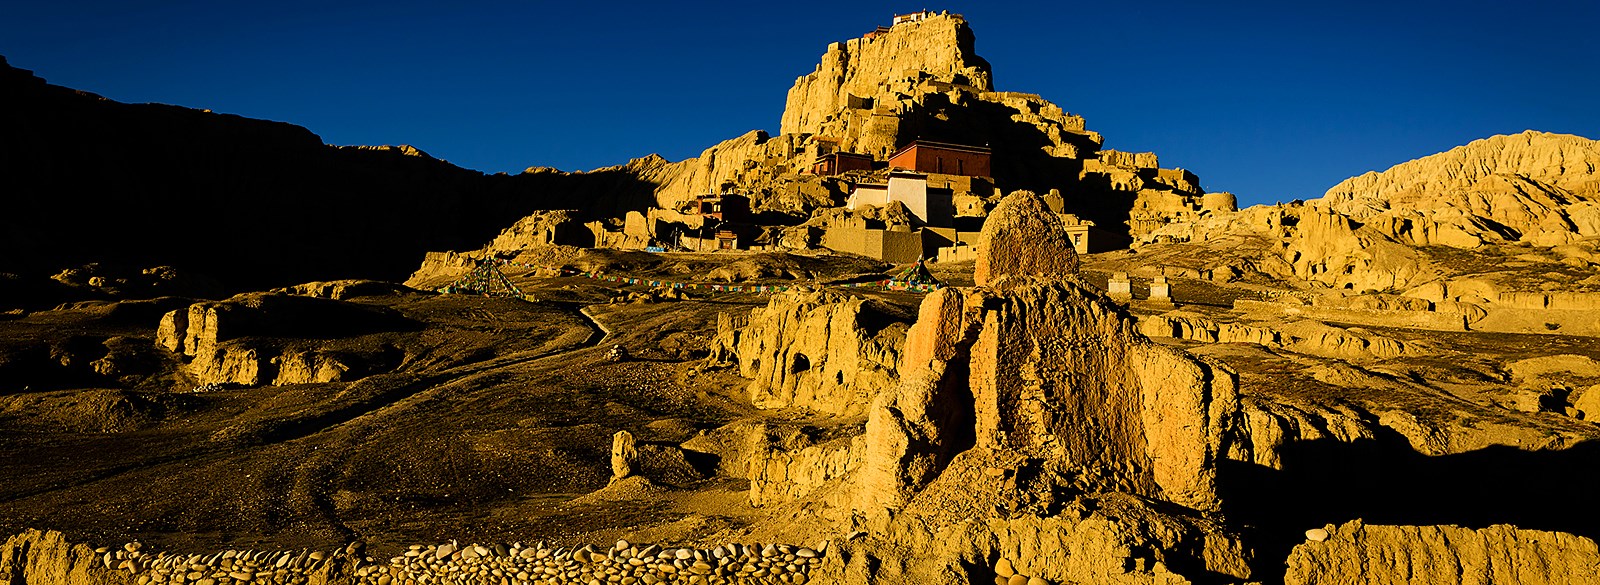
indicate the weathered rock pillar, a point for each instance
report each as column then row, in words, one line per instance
column 624, row 455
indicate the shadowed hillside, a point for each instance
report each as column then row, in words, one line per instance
column 253, row 203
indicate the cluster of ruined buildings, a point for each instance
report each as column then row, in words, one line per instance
column 923, row 176
column 924, row 200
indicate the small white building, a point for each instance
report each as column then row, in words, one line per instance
column 934, row 207
column 913, row 17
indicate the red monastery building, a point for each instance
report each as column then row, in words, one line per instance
column 942, row 158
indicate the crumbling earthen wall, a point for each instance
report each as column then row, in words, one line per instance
column 211, row 338
column 818, row 350
column 940, row 46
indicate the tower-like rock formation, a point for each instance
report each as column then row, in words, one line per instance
column 923, row 81
column 1033, row 362
column 863, row 70
column 1033, row 423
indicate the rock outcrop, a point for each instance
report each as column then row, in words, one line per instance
column 346, row 289
column 36, row 557
column 818, row 350
column 545, row 228
column 1373, row 231
column 1054, row 372
column 754, row 164
column 1537, row 187
column 782, row 473
column 1033, row 423
column 1193, row 327
column 1307, row 337
column 1357, row 553
column 1023, row 238
column 221, row 341
column 859, row 71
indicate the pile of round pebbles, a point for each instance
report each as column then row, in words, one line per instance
column 477, row 564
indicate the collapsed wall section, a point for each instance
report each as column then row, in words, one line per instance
column 817, row 350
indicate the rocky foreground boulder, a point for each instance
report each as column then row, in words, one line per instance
column 1379, row 555
column 1023, row 238
column 1034, row 433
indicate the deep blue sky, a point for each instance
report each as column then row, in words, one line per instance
column 1273, row 101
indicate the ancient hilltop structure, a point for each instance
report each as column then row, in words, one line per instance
column 924, row 81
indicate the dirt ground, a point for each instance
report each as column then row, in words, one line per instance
column 495, row 421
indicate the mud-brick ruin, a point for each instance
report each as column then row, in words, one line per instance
column 929, row 332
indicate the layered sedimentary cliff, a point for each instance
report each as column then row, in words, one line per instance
column 1537, row 187
column 1373, row 231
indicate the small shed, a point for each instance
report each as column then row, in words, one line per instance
column 727, row 207
column 835, row 163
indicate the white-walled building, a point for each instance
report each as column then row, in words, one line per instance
column 934, row 207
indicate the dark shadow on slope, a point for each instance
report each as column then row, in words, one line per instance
column 253, row 203
column 1384, row 481
column 1020, row 159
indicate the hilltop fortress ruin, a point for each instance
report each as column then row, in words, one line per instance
column 916, row 89
column 912, row 102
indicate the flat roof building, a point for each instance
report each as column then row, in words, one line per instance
column 943, row 158
column 934, row 207
column 728, row 207
column 913, row 17
column 835, row 163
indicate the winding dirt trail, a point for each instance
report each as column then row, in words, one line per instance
column 315, row 449
column 314, row 476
